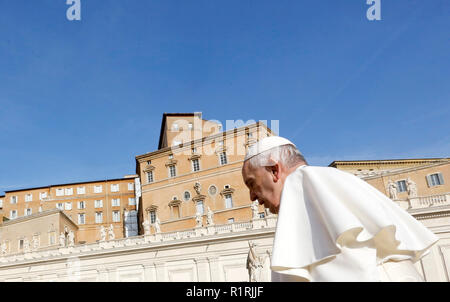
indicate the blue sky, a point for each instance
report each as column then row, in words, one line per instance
column 79, row 100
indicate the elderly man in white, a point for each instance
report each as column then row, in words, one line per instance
column 332, row 226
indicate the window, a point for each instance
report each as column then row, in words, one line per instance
column 81, row 218
column 115, row 202
column 81, row 190
column 98, row 204
column 98, row 217
column 401, row 185
column 115, row 188
column 98, row 189
column 230, row 220
column 150, row 176
column 81, row 205
column 28, row 212
column 176, row 211
column 68, row 206
column 60, row 206
column 13, row 199
column 190, row 126
column 194, row 150
column 200, row 208
column 21, row 241
column 69, row 191
column 152, row 217
column 116, row 216
column 1, row 203
column 195, row 165
column 262, row 215
column 435, row 179
column 130, row 186
column 13, row 214
column 172, row 171
column 42, row 195
column 186, row 195
column 170, row 156
column 28, row 197
column 228, row 201
column 223, row 158
column 132, row 201
column 59, row 192
column 174, row 127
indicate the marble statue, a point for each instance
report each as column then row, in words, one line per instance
column 111, row 234
column 197, row 187
column 157, row 225
column 146, row 225
column 71, row 238
column 412, row 187
column 254, row 264
column 102, row 233
column 209, row 217
column 255, row 209
column 62, row 239
column 199, row 220
column 392, row 189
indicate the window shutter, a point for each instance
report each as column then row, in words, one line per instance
column 430, row 184
column 441, row 178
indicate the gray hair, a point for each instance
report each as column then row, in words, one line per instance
column 287, row 155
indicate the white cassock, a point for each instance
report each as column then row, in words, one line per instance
column 333, row 226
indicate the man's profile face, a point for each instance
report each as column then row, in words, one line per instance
column 262, row 187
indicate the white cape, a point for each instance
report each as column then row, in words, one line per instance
column 333, row 226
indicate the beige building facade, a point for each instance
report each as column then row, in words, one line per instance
column 194, row 220
column 90, row 205
column 184, row 177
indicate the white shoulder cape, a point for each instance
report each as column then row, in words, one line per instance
column 324, row 211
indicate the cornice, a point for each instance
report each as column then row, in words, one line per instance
column 199, row 142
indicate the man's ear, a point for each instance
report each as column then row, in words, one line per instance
column 274, row 171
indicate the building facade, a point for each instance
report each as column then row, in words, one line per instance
column 186, row 177
column 90, row 205
column 186, row 215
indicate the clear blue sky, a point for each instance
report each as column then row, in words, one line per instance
column 79, row 100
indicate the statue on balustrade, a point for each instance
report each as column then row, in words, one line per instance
column 209, row 218
column 199, row 220
column 62, row 239
column 392, row 189
column 157, row 225
column 412, row 188
column 71, row 238
column 146, row 225
column 102, row 233
column 254, row 207
column 111, row 234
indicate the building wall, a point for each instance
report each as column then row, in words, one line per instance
column 90, row 230
column 43, row 225
column 417, row 175
column 164, row 190
column 367, row 168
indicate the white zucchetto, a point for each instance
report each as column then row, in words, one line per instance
column 265, row 144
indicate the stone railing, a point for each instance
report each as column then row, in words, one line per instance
column 430, row 201
column 425, row 201
column 209, row 230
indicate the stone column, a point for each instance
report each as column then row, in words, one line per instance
column 214, row 269
column 203, row 274
column 149, row 272
column 160, row 271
